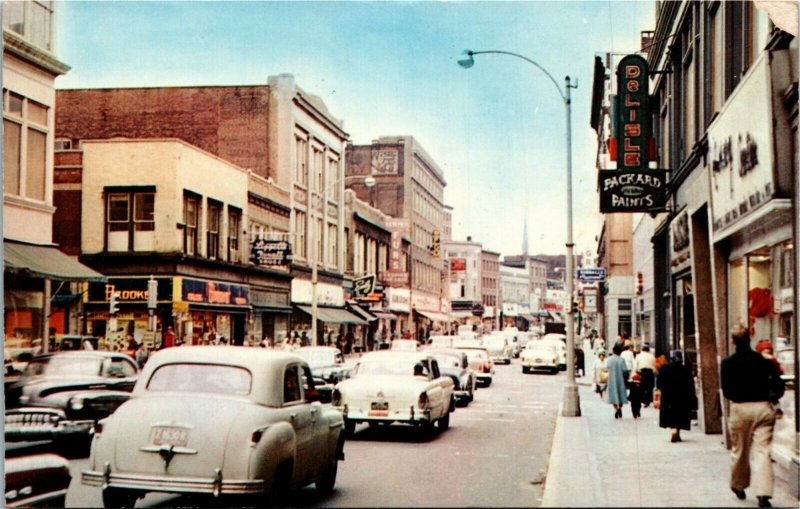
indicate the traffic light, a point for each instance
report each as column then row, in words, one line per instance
column 113, row 305
column 575, row 311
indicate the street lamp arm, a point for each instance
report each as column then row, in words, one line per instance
column 470, row 53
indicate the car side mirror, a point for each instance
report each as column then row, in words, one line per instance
column 312, row 395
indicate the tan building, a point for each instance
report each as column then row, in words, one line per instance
column 615, row 254
column 490, row 289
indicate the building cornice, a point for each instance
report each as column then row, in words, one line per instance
column 306, row 105
column 23, row 49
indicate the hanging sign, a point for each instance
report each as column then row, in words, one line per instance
column 270, row 252
column 633, row 110
column 633, row 191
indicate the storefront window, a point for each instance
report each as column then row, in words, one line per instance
column 759, row 295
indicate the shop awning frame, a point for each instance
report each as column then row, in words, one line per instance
column 386, row 315
column 46, row 262
column 362, row 313
column 333, row 315
column 434, row 316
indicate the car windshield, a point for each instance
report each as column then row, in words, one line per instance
column 212, row 378
column 447, row 360
column 478, row 355
column 80, row 366
column 385, row 367
column 316, row 358
column 539, row 347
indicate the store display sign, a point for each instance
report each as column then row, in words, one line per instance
column 396, row 275
column 741, row 152
column 592, row 274
column 458, row 264
column 129, row 290
column 363, row 286
column 633, row 191
column 270, row 252
column 212, row 292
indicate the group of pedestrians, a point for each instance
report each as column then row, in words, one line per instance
column 750, row 380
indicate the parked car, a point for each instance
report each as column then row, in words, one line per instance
column 498, row 348
column 405, row 345
column 66, row 342
column 36, row 480
column 455, row 364
column 480, row 363
column 218, row 420
column 539, row 355
column 327, row 367
column 467, row 342
column 560, row 342
column 393, row 386
column 439, row 341
column 60, row 396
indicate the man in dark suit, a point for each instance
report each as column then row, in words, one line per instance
column 751, row 382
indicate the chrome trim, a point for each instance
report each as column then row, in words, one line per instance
column 37, row 500
column 173, row 449
column 174, row 484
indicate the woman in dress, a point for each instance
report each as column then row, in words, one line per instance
column 617, row 376
column 600, row 373
column 675, row 382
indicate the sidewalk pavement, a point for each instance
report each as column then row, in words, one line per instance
column 599, row 461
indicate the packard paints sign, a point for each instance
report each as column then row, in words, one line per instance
column 633, row 191
column 740, row 149
column 633, row 111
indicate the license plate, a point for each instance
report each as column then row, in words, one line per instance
column 163, row 435
column 379, row 413
column 380, row 405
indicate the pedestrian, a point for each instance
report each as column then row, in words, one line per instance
column 645, row 365
column 677, row 395
column 580, row 366
column 751, row 383
column 599, row 344
column 141, row 355
column 617, row 376
column 169, row 338
column 600, row 373
column 635, row 394
column 627, row 355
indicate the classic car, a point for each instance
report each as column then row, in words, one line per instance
column 440, row 341
column 560, row 341
column 60, row 397
column 387, row 387
column 327, row 367
column 36, row 480
column 218, row 420
column 455, row 364
column 498, row 347
column 405, row 345
column 480, row 363
column 539, row 355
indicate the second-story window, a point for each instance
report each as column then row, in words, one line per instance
column 130, row 219
column 213, row 228
column 234, row 224
column 25, row 131
column 191, row 215
column 30, row 20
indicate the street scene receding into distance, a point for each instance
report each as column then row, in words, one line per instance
column 401, row 254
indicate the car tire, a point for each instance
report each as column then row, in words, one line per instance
column 279, row 491
column 327, row 480
column 444, row 422
column 117, row 497
column 349, row 427
column 488, row 383
column 526, row 370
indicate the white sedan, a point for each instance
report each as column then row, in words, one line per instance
column 217, row 420
column 539, row 355
column 560, row 342
column 392, row 386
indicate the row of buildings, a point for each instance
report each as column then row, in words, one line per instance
column 236, row 212
column 723, row 93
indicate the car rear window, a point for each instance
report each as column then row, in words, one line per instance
column 67, row 365
column 213, row 378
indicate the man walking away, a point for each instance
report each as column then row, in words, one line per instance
column 750, row 382
column 645, row 365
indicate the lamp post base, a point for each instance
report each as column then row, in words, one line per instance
column 571, row 404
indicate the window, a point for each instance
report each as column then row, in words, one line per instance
column 333, row 245
column 25, row 132
column 191, row 214
column 234, row 224
column 31, row 20
column 300, row 232
column 213, row 229
column 317, row 169
column 715, row 60
column 301, row 161
column 318, row 241
column 291, row 386
column 130, row 219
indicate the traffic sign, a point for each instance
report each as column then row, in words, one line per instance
column 592, row 274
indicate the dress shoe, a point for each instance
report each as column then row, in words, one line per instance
column 739, row 493
column 763, row 502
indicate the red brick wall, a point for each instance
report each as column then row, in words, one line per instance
column 387, row 195
column 67, row 221
column 230, row 122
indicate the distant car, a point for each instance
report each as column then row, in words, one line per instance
column 467, row 342
column 60, row 397
column 405, row 345
column 559, row 340
column 480, row 363
column 66, row 342
column 498, row 348
column 37, row 480
column 327, row 367
column 512, row 336
column 218, row 420
column 455, row 364
column 441, row 341
column 393, row 386
column 539, row 355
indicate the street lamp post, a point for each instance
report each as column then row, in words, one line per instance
column 571, row 402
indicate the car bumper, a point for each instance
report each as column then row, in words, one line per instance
column 410, row 415
column 24, row 424
column 539, row 365
column 465, row 394
column 215, row 484
column 501, row 359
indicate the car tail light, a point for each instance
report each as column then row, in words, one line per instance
column 487, row 367
column 422, row 402
column 98, row 428
column 336, row 398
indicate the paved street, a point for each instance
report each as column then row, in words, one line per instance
column 494, row 455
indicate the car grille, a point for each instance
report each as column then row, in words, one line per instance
column 31, row 419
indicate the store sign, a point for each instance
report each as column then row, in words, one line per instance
column 633, row 191
column 129, row 290
column 592, row 274
column 424, row 302
column 396, row 275
column 327, row 294
column 215, row 293
column 363, row 286
column 399, row 299
column 590, row 300
column 436, row 244
column 633, row 110
column 741, row 152
column 270, row 253
column 458, row 264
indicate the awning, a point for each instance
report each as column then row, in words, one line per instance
column 46, row 262
column 272, row 309
column 385, row 315
column 362, row 313
column 461, row 314
column 333, row 315
column 436, row 317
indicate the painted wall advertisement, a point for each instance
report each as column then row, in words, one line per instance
column 742, row 160
column 397, row 274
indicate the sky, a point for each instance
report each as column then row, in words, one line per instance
column 497, row 130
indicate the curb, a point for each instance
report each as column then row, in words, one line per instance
column 554, row 464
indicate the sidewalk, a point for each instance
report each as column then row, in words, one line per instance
column 599, row 461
